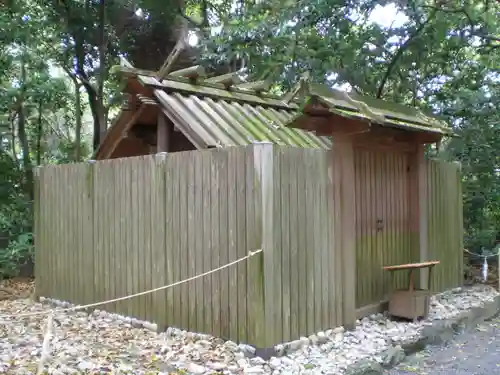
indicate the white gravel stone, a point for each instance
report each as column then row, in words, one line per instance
column 103, row 342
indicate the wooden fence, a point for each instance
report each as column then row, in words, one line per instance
column 122, row 226
column 445, row 226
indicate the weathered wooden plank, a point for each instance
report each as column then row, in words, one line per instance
column 107, row 215
column 232, row 231
column 200, row 246
column 301, row 238
column 118, row 236
column 215, row 241
column 315, row 182
column 284, row 196
column 345, row 183
column 184, row 165
column 294, row 246
column 98, row 289
column 130, row 204
column 149, row 188
column 277, row 247
column 66, row 240
column 207, row 240
column 255, row 291
column 309, row 248
column 241, row 244
column 222, row 157
column 263, row 164
column 191, row 231
column 88, row 262
column 323, row 231
column 166, row 166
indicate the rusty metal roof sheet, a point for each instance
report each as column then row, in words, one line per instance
column 211, row 122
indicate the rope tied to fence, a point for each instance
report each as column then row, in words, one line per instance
column 96, row 304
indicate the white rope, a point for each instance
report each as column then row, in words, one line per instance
column 75, row 308
column 483, row 256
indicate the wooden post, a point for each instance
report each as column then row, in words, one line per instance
column 345, row 221
column 37, row 238
column 162, row 133
column 261, row 266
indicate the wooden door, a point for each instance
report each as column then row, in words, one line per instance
column 383, row 234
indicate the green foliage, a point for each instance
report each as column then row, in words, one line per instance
column 441, row 56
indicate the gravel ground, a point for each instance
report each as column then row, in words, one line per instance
column 476, row 353
column 101, row 343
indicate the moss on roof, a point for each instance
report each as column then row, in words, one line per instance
column 339, row 102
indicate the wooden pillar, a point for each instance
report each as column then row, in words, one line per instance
column 418, row 211
column 37, row 238
column 345, row 221
column 261, row 271
column 162, row 133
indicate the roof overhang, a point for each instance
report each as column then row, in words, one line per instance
column 325, row 117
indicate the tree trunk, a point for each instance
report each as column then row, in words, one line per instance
column 23, row 138
column 39, row 135
column 78, row 118
column 102, row 73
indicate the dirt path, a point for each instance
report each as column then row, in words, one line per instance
column 476, row 353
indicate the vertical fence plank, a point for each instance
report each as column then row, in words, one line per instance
column 200, row 246
column 294, row 247
column 148, row 191
column 183, row 239
column 445, row 232
column 232, row 230
column 215, row 242
column 241, row 244
column 222, row 161
column 207, row 240
column 38, row 237
column 175, row 180
column 166, row 189
column 120, row 233
column 191, row 230
column 286, row 282
column 277, row 248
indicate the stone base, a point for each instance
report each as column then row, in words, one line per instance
column 437, row 333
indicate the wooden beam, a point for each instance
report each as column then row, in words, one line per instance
column 257, row 86
column 193, row 72
column 173, row 56
column 162, row 133
column 227, row 80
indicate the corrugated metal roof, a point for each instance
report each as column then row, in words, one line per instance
column 210, row 122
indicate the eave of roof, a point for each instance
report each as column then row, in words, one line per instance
column 221, row 123
column 376, row 110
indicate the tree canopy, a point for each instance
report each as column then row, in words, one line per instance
column 58, row 97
